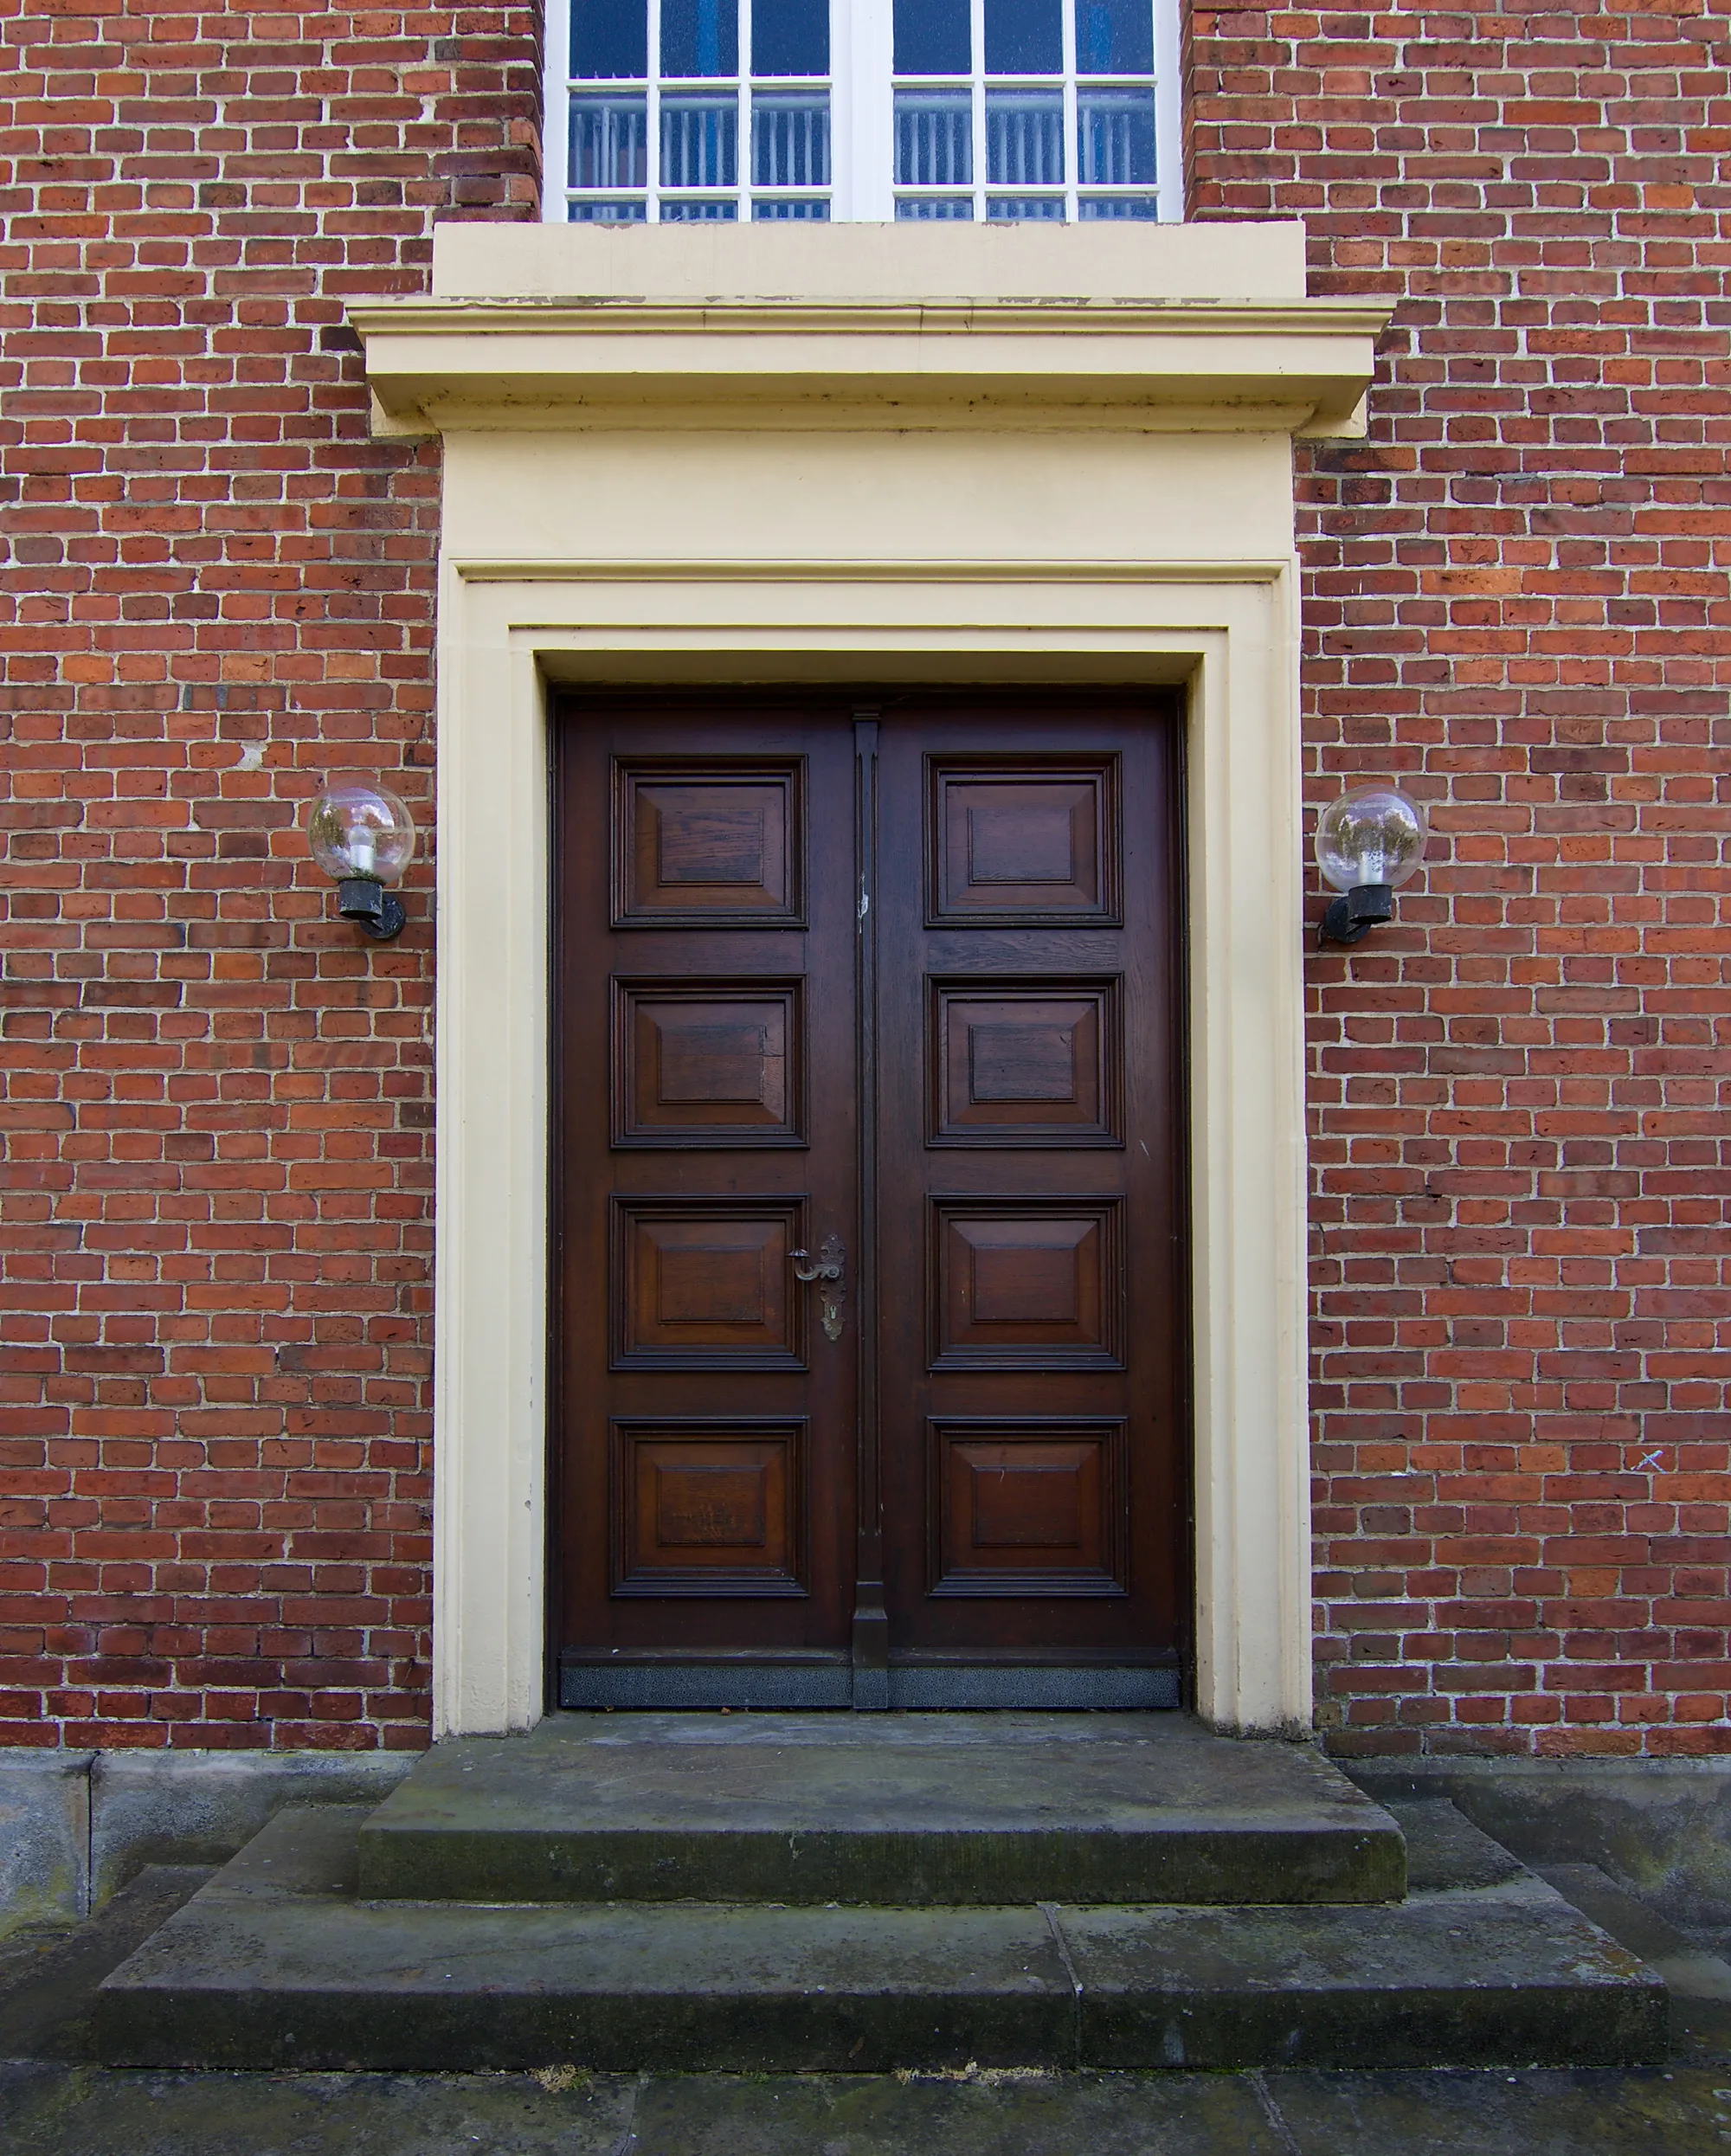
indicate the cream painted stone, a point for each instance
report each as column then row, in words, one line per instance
column 634, row 539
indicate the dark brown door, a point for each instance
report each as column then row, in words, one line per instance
column 885, row 996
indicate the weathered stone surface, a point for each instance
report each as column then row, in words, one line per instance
column 44, row 1837
column 951, row 1809
column 199, row 1808
column 1659, row 1827
column 48, row 1979
column 1500, row 1975
column 274, row 1963
column 60, row 2111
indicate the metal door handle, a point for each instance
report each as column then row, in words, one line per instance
column 827, row 1266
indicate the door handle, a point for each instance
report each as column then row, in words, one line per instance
column 827, row 1267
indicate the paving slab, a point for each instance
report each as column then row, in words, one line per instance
column 276, row 1963
column 56, row 2110
column 900, row 1810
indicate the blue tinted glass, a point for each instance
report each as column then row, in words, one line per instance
column 1024, row 37
column 699, row 136
column 610, row 37
column 610, row 141
column 932, row 37
column 934, row 137
column 1113, row 37
column 1115, row 138
column 1024, row 137
column 699, row 37
column 790, row 37
column 790, row 141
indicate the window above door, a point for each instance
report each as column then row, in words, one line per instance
column 695, row 111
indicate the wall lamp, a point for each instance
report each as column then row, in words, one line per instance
column 1367, row 844
column 364, row 837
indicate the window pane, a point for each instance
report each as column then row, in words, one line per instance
column 610, row 37
column 1024, row 37
column 699, row 142
column 790, row 141
column 1115, row 138
column 614, row 212
column 807, row 212
column 1113, row 36
column 790, row 37
column 698, row 213
column 1025, row 209
column 956, row 208
column 610, row 141
column 932, row 37
column 699, row 37
column 934, row 138
column 1024, row 137
column 1144, row 208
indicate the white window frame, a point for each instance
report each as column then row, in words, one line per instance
column 861, row 122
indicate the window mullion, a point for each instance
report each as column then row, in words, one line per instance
column 1072, row 142
column 977, row 31
column 652, row 148
column 1168, row 113
column 556, row 149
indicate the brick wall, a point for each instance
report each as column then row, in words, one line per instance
column 216, row 1210
column 214, row 1194
column 1517, row 603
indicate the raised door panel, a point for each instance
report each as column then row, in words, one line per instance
column 707, row 1286
column 1026, row 1508
column 709, row 1508
column 1031, row 1284
column 1025, row 1062
column 709, row 1063
column 1024, row 840
column 709, row 843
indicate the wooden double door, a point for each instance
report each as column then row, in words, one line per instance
column 868, row 1358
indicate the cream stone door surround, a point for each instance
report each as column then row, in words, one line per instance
column 725, row 454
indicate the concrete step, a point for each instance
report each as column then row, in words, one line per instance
column 277, row 1963
column 909, row 1810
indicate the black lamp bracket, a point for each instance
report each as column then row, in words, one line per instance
column 1355, row 912
column 379, row 911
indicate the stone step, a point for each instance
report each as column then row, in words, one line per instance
column 278, row 1964
column 908, row 1809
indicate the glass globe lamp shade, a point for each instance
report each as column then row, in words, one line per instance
column 1374, row 836
column 361, row 831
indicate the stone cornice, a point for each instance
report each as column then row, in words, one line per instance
column 1297, row 365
